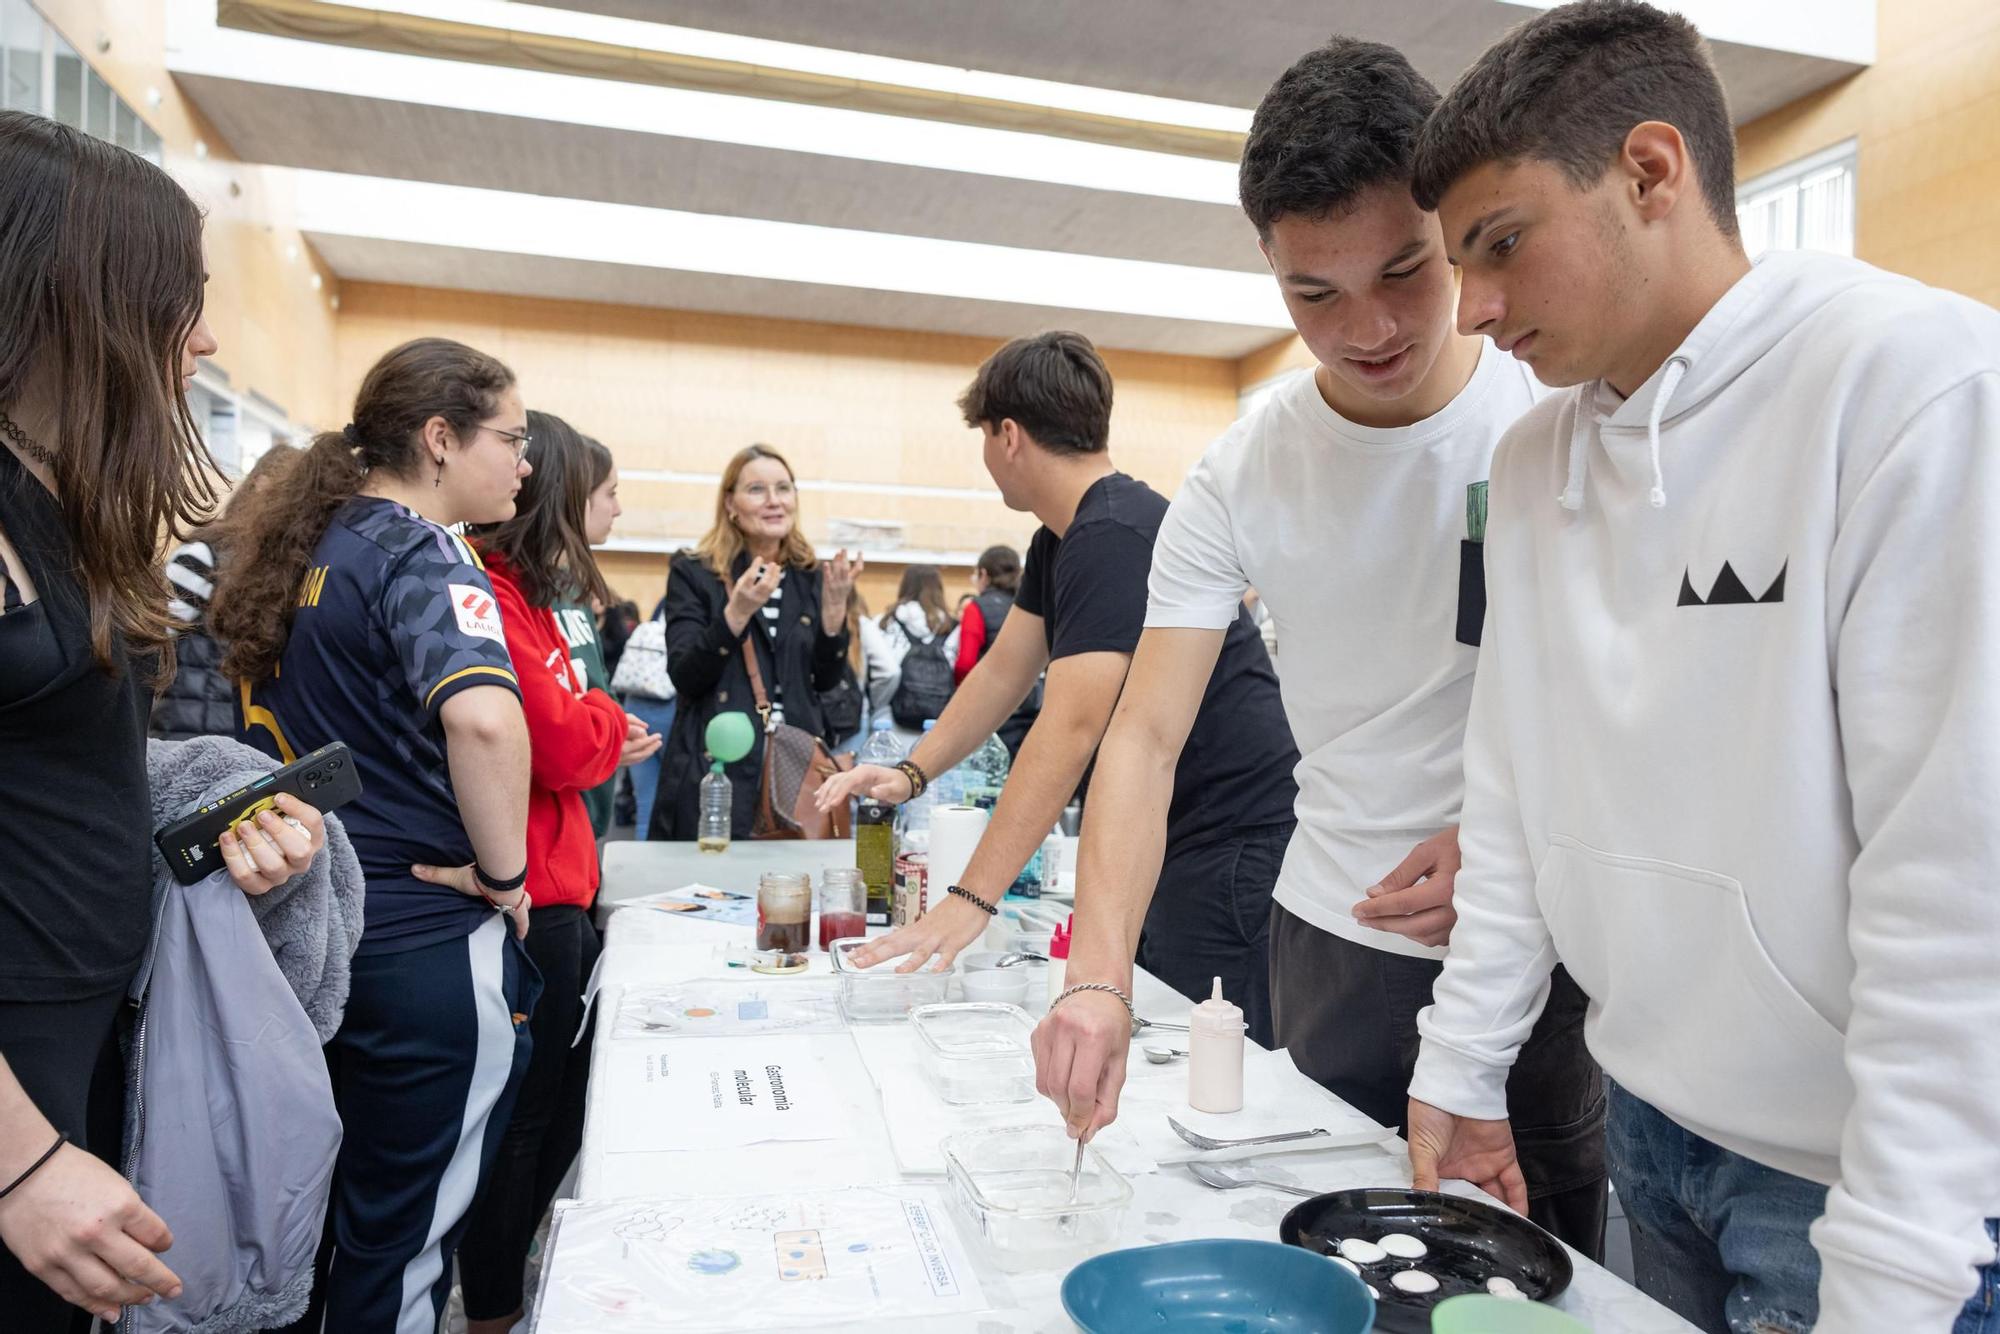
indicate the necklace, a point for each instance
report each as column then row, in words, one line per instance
column 24, row 444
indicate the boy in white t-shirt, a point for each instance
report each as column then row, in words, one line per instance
column 1353, row 500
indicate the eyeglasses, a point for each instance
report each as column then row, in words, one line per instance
column 759, row 491
column 519, row 442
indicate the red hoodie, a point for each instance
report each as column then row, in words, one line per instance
column 574, row 739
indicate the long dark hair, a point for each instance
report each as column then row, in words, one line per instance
column 545, row 542
column 923, row 585
column 1002, row 567
column 100, row 288
column 273, row 533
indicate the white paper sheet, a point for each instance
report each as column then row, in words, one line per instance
column 666, row 1095
column 758, row 1262
column 1276, row 1099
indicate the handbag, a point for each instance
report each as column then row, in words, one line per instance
column 796, row 763
column 642, row 668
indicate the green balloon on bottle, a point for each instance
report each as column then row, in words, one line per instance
column 730, row 736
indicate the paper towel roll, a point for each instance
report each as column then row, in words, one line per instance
column 955, row 832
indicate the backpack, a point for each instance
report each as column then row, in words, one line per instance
column 926, row 684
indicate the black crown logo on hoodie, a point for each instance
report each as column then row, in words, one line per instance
column 1729, row 590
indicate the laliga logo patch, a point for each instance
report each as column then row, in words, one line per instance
column 476, row 611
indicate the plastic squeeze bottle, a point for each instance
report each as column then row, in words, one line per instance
column 1215, row 1054
column 1059, row 958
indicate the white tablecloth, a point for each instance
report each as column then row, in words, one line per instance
column 646, row 948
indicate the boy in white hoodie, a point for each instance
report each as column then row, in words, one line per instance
column 1734, row 750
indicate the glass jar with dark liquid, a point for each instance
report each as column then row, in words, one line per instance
column 784, row 912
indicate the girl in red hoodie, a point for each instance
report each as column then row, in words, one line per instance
column 577, row 739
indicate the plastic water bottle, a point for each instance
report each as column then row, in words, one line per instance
column 717, row 804
column 984, row 772
column 874, row 827
column 913, row 817
column 947, row 788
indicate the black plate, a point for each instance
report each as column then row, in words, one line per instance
column 1469, row 1243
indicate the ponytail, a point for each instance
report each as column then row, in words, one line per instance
column 272, row 533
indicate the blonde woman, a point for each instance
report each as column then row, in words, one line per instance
column 753, row 580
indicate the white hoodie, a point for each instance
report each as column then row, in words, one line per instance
column 1734, row 759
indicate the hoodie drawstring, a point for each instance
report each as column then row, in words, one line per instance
column 1677, row 368
column 1571, row 498
column 1579, row 443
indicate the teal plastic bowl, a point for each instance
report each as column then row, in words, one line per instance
column 1216, row 1287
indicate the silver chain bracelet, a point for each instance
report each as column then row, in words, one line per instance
column 1130, row 1012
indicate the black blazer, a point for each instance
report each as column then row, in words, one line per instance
column 706, row 663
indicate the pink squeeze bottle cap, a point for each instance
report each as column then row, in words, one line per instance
column 1059, row 939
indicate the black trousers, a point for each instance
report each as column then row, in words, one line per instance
column 65, row 1056
column 1348, row 1014
column 1211, row 917
column 546, row 1131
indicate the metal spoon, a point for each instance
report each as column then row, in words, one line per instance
column 1206, row 1142
column 1076, row 1171
column 1139, row 1022
column 1163, row 1055
column 1020, row 956
column 1220, row 1180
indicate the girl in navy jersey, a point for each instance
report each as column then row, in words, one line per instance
column 352, row 614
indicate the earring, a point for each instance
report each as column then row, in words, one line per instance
column 440, row 476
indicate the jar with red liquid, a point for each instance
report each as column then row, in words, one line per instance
column 784, row 912
column 843, row 905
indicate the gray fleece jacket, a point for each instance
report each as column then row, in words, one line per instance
column 230, row 1127
column 313, row 922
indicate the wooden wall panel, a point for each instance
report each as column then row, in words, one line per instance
column 678, row 391
column 1926, row 121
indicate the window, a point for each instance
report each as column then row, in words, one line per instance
column 1808, row 205
column 21, row 45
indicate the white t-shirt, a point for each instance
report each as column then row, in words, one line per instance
column 1351, row 535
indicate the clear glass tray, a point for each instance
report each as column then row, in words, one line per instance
column 977, row 1052
column 1012, row 1185
column 881, row 995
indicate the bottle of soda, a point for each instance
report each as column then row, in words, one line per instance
column 874, row 827
column 716, row 807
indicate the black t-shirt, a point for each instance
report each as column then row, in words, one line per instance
column 1089, row 588
column 76, row 878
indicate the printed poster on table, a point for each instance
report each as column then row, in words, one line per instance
column 761, row 1262
column 692, row 1096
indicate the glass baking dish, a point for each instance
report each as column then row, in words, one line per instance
column 1012, row 1185
column 977, row 1051
column 881, row 995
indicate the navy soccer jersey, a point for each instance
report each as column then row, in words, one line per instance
column 394, row 618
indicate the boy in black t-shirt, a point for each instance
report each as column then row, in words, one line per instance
column 1043, row 407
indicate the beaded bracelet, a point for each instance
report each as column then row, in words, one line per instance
column 1130, row 1012
column 916, row 777
column 965, row 893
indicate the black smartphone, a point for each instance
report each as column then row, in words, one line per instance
column 325, row 779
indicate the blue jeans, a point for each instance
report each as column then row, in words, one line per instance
column 659, row 715
column 1721, row 1240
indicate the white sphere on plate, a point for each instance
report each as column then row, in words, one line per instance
column 1362, row 1252
column 1413, row 1281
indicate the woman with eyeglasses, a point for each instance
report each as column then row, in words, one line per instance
column 753, row 585
column 352, row 613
